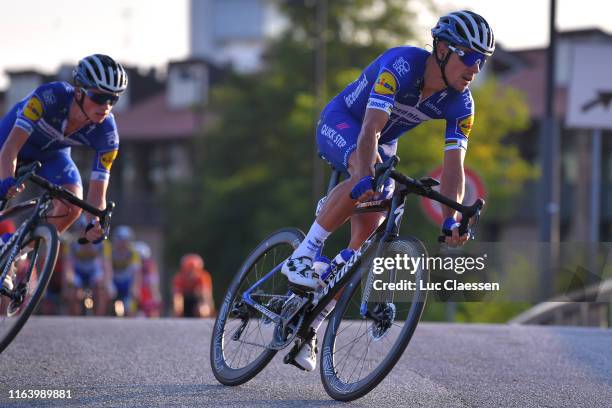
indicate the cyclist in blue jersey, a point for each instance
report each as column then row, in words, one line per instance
column 400, row 89
column 56, row 116
column 88, row 266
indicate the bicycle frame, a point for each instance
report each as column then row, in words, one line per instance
column 41, row 206
column 386, row 231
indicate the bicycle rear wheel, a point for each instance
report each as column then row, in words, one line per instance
column 30, row 273
column 358, row 352
column 241, row 338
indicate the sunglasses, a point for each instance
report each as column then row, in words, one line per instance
column 102, row 98
column 469, row 58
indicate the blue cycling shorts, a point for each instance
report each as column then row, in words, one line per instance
column 123, row 287
column 57, row 165
column 87, row 276
column 337, row 133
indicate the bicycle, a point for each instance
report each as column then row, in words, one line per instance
column 30, row 254
column 258, row 303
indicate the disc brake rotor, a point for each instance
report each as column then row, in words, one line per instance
column 383, row 318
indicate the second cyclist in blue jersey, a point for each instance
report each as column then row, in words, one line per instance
column 403, row 87
column 56, row 116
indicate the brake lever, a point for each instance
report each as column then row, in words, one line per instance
column 380, row 181
column 386, row 169
column 104, row 222
column 464, row 225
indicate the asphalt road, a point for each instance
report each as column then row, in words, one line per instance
column 145, row 363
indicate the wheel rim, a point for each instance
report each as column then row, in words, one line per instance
column 31, row 273
column 245, row 337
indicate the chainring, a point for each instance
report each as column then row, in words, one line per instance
column 292, row 317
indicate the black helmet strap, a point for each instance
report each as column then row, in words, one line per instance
column 441, row 61
column 79, row 102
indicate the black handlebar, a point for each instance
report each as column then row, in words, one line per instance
column 28, row 173
column 424, row 187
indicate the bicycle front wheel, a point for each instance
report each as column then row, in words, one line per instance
column 359, row 351
column 241, row 338
column 30, row 272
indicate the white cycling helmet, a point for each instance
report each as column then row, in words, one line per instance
column 123, row 233
column 467, row 29
column 143, row 249
column 99, row 71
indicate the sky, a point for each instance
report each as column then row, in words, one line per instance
column 42, row 34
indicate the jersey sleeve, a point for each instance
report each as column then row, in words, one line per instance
column 459, row 122
column 386, row 86
column 105, row 142
column 35, row 107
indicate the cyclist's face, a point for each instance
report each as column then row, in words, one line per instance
column 95, row 110
column 458, row 75
column 121, row 244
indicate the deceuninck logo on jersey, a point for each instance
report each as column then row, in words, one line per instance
column 33, row 110
column 385, row 84
column 106, row 159
column 464, row 125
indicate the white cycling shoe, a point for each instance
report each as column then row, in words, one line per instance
column 301, row 273
column 306, row 358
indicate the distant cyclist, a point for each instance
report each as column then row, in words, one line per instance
column 400, row 89
column 126, row 271
column 192, row 289
column 88, row 267
column 56, row 116
column 150, row 298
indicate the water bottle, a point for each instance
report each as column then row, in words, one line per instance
column 337, row 263
column 333, row 267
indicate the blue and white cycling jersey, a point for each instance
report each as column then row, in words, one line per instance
column 43, row 115
column 392, row 83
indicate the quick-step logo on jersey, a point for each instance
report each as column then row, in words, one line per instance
column 33, row 110
column 333, row 136
column 386, row 84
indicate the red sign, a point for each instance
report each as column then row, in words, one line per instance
column 474, row 188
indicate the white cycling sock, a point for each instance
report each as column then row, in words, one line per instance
column 312, row 243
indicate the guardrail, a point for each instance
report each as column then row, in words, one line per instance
column 589, row 307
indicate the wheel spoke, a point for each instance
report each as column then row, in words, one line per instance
column 360, row 352
column 246, row 353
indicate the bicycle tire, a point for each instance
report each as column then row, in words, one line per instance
column 333, row 384
column 223, row 372
column 49, row 234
